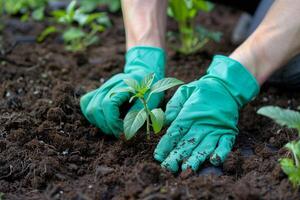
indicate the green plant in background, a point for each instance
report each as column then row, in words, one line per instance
column 192, row 37
column 91, row 5
column 79, row 29
column 1, row 195
column 135, row 119
column 26, row 8
column 291, row 119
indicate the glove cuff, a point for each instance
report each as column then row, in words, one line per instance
column 151, row 59
column 240, row 83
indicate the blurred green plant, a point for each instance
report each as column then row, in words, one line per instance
column 26, row 8
column 91, row 5
column 1, row 195
column 78, row 28
column 291, row 119
column 191, row 37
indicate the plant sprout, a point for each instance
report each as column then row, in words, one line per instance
column 78, row 28
column 143, row 91
column 27, row 8
column 291, row 119
column 191, row 37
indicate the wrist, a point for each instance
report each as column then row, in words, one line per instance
column 254, row 56
column 233, row 77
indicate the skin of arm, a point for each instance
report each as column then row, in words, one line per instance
column 145, row 22
column 274, row 42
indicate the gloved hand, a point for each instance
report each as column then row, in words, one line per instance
column 204, row 116
column 102, row 110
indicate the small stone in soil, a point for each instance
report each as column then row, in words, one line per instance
column 211, row 171
column 103, row 170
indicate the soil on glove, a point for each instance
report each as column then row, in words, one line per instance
column 49, row 151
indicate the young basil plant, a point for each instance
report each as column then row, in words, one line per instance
column 143, row 91
column 78, row 28
column 191, row 37
column 291, row 119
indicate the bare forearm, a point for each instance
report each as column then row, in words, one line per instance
column 145, row 22
column 274, row 42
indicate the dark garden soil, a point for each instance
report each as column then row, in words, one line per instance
column 49, row 151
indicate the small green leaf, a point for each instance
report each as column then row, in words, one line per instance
column 132, row 98
column 73, row 34
column 203, row 5
column 147, row 81
column 133, row 122
column 284, row 117
column 48, row 31
column 157, row 118
column 119, row 90
column 178, row 10
column 71, row 7
column 132, row 83
column 57, row 14
column 38, row 14
column 291, row 170
column 165, row 84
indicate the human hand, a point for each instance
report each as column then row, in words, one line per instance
column 102, row 110
column 204, row 115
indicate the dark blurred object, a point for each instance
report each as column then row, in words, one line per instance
column 245, row 5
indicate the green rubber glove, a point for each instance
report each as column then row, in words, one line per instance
column 102, row 110
column 204, row 116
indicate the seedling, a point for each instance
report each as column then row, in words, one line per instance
column 92, row 5
column 191, row 37
column 26, row 8
column 143, row 91
column 78, row 28
column 291, row 119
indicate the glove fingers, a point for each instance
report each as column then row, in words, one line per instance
column 224, row 148
column 201, row 152
column 170, row 140
column 176, row 103
column 111, row 105
column 94, row 111
column 184, row 148
column 84, row 102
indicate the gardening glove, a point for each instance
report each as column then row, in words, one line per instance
column 102, row 109
column 204, row 115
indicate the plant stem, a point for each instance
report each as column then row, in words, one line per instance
column 147, row 118
column 296, row 159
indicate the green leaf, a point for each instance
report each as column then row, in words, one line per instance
column 157, row 118
column 57, row 14
column 132, row 98
column 119, row 90
column 147, row 81
column 178, row 10
column 165, row 84
column 132, row 83
column 114, row 5
column 38, row 14
column 73, row 34
column 284, row 117
column 80, row 17
column 48, row 31
column 71, row 7
column 203, row 5
column 133, row 122
column 291, row 170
